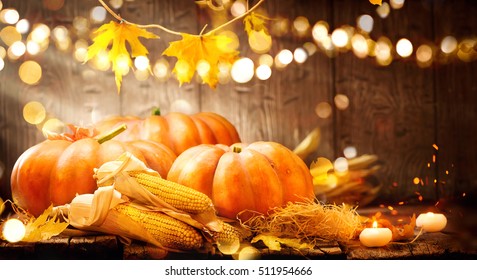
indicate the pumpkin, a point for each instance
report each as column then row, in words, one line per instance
column 176, row 130
column 244, row 178
column 55, row 170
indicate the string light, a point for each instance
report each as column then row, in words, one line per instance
column 13, row 230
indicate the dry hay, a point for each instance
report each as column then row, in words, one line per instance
column 308, row 221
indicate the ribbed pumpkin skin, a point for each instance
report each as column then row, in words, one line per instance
column 261, row 176
column 54, row 171
column 176, row 130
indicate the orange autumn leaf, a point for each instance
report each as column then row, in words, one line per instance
column 116, row 35
column 376, row 2
column 202, row 54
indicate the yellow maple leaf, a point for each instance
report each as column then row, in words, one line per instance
column 201, row 54
column 255, row 22
column 44, row 226
column 376, row 2
column 116, row 35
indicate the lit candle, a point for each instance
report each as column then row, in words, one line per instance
column 431, row 222
column 375, row 237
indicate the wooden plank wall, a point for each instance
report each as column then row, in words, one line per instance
column 397, row 112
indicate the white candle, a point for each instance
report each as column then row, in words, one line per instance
column 375, row 237
column 431, row 222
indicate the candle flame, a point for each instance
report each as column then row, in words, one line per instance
column 375, row 224
column 430, row 214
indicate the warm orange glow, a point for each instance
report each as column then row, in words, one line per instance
column 375, row 224
column 435, row 147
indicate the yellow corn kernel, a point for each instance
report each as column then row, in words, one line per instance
column 168, row 231
column 229, row 234
column 177, row 195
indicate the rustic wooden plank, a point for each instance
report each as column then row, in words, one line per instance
column 391, row 108
column 456, row 99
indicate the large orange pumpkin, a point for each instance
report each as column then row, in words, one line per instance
column 176, row 130
column 240, row 177
column 55, row 170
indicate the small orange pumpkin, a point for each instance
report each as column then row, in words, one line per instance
column 176, row 130
column 255, row 177
column 55, row 170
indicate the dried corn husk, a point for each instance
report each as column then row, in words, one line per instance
column 357, row 186
column 115, row 173
column 91, row 212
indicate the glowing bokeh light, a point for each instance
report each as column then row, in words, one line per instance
column 242, row 70
column 320, row 31
column 260, row 42
column 18, row 48
column 265, row 59
column 301, row 25
column 285, row 57
column 98, row 14
column 53, row 125
column 339, row 38
column 23, row 26
column 238, row 8
column 13, row 230
column 161, row 69
column 359, row 45
column 3, row 52
column 263, row 72
column 383, row 10
column 310, row 48
column 2, row 64
column 53, row 5
column 203, row 67
column 182, row 106
column 449, row 45
column 382, row 51
column 141, row 62
column 9, row 16
column 60, row 33
column 34, row 112
column 116, row 4
column 300, row 55
column 323, row 110
column 424, row 54
column 396, row 4
column 350, row 152
column 141, row 75
column 366, row 23
column 404, row 47
column 122, row 64
column 341, row 101
column 10, row 35
column 40, row 33
column 341, row 165
column 30, row 72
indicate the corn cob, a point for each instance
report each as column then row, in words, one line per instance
column 170, row 232
column 181, row 197
column 228, row 235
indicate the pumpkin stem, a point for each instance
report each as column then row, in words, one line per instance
column 156, row 111
column 111, row 134
column 236, row 149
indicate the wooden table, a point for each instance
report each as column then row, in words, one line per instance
column 457, row 241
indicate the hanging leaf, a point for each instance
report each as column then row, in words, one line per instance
column 44, row 226
column 116, row 35
column 258, row 37
column 376, row 2
column 203, row 54
column 255, row 22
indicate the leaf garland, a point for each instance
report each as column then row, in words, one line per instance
column 116, row 35
column 259, row 38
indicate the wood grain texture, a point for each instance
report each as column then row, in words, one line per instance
column 456, row 106
column 391, row 110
